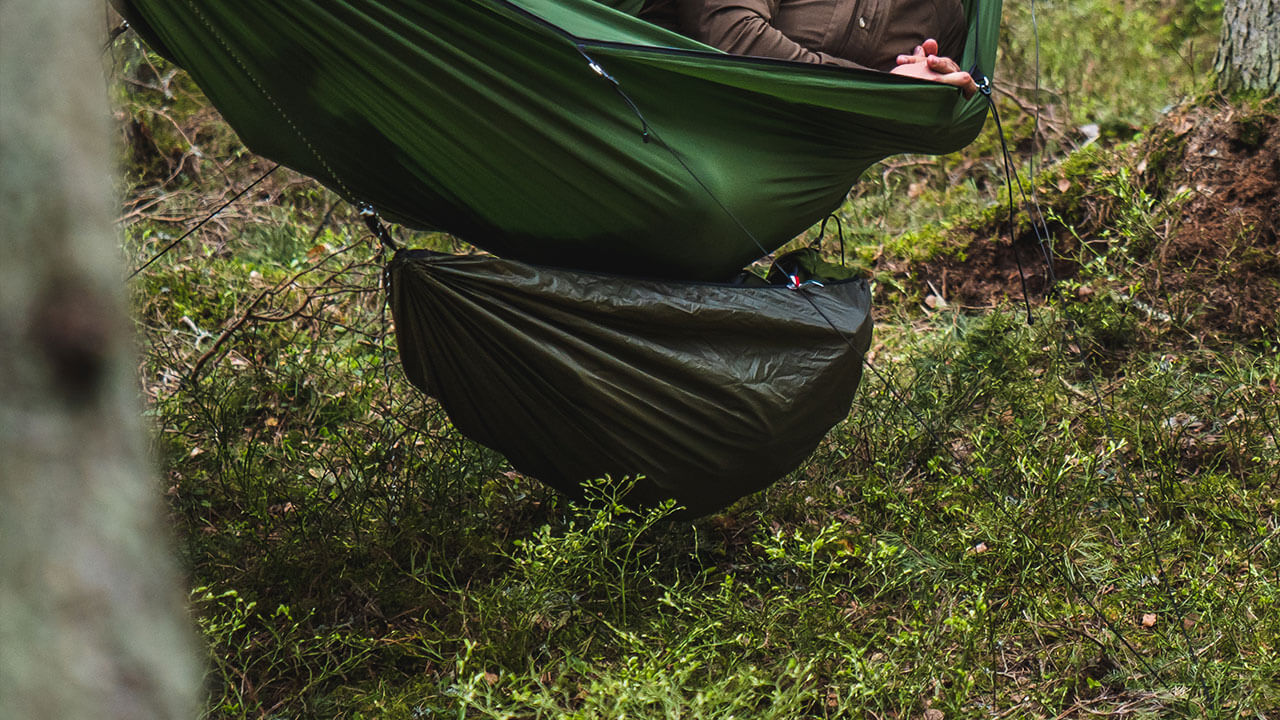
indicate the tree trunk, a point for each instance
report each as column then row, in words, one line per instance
column 1249, row 53
column 92, row 623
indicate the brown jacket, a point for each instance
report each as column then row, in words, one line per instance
column 852, row 33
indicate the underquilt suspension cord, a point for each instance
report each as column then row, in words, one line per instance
column 1037, row 218
column 648, row 135
column 371, row 221
column 206, row 219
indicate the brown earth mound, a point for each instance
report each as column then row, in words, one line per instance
column 1211, row 264
column 1220, row 266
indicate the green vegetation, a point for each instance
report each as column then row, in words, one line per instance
column 1073, row 518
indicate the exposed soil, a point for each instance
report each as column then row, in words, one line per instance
column 1212, row 265
column 1220, row 265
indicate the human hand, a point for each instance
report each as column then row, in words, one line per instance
column 926, row 64
column 921, row 53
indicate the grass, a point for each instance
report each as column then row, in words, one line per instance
column 1073, row 518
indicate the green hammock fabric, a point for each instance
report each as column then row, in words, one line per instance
column 484, row 118
column 569, row 133
column 709, row 391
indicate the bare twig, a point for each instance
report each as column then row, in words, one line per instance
column 249, row 315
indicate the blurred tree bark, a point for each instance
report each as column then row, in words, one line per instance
column 92, row 621
column 1249, row 52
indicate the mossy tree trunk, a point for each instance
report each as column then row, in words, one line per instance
column 92, row 621
column 1249, row 52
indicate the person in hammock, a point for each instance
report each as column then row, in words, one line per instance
column 904, row 37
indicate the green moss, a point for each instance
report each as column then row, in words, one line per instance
column 927, row 243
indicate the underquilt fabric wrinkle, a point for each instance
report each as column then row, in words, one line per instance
column 706, row 391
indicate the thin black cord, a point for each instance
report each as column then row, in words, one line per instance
column 1008, row 172
column 1122, row 474
column 648, row 134
column 822, row 232
column 1035, row 127
column 374, row 223
column 1030, row 205
column 201, row 224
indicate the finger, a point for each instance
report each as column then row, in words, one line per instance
column 930, row 47
column 942, row 64
column 906, row 59
column 962, row 80
column 959, row 79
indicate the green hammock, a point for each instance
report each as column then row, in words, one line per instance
column 569, row 133
column 485, row 119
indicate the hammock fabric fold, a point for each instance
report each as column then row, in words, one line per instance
column 486, row 119
column 707, row 391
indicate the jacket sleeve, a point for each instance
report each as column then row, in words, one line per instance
column 744, row 27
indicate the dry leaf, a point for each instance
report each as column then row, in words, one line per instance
column 271, row 422
column 1064, row 185
column 1148, row 619
column 980, row 548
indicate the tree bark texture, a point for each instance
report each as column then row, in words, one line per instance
column 1249, row 52
column 92, row 621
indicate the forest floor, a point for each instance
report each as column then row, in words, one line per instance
column 1217, row 254
column 1073, row 517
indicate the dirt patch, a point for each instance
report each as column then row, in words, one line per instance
column 1211, row 262
column 1219, row 267
column 992, row 272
